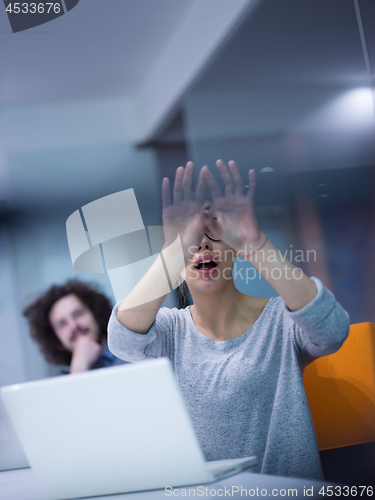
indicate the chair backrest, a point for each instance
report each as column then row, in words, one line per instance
column 341, row 391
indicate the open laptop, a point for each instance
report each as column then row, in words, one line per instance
column 11, row 452
column 112, row 430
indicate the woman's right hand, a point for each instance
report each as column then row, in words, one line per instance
column 184, row 215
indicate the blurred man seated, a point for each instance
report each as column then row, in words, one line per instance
column 69, row 322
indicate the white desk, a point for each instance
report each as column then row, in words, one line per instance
column 22, row 485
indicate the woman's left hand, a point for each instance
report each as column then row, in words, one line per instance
column 235, row 220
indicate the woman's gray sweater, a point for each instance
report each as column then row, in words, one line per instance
column 246, row 395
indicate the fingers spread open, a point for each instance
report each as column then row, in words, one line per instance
column 187, row 180
column 252, row 181
column 212, row 184
column 165, row 193
column 201, row 188
column 227, row 177
column 177, row 189
column 238, row 182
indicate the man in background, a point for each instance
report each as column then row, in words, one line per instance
column 69, row 322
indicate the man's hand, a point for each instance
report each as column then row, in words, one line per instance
column 85, row 352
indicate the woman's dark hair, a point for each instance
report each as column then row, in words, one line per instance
column 184, row 297
column 38, row 312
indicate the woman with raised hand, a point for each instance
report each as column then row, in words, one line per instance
column 238, row 359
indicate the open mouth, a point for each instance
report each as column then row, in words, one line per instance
column 206, row 264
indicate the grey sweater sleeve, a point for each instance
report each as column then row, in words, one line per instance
column 322, row 325
column 134, row 347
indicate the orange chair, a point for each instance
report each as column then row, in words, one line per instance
column 341, row 391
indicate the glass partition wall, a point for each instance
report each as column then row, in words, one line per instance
column 292, row 96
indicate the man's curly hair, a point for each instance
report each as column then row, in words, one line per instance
column 38, row 312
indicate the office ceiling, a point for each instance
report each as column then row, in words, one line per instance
column 106, row 51
column 100, row 49
column 293, row 93
column 296, row 42
column 67, row 101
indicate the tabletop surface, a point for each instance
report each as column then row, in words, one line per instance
column 22, row 485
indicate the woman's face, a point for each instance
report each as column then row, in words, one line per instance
column 210, row 267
